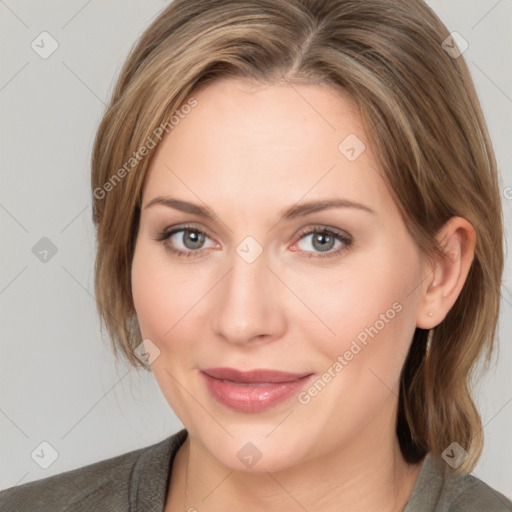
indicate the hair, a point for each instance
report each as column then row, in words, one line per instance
column 427, row 128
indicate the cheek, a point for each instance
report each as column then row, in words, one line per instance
column 360, row 366
column 146, row 294
column 161, row 312
column 154, row 296
column 368, row 315
column 165, row 296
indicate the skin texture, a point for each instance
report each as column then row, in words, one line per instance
column 247, row 152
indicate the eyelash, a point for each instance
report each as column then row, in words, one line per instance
column 166, row 234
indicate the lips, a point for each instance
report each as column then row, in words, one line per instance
column 252, row 391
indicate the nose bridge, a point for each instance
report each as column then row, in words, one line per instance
column 248, row 299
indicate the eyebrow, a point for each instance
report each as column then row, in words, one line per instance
column 295, row 211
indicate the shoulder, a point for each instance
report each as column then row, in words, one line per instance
column 468, row 493
column 110, row 484
column 58, row 492
column 441, row 489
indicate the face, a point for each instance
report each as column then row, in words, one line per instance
column 328, row 295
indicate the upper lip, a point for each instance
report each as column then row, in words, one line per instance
column 257, row 375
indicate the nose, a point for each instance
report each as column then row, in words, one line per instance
column 249, row 305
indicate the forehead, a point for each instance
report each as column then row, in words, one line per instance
column 246, row 143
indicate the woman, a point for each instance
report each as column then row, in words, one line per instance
column 299, row 232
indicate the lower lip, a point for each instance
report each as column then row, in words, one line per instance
column 252, row 397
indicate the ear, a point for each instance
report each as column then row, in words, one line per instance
column 444, row 279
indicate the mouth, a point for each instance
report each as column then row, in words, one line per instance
column 254, row 390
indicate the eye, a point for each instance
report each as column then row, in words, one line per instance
column 324, row 240
column 191, row 239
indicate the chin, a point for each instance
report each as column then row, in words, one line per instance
column 252, row 450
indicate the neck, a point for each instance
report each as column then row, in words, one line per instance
column 368, row 473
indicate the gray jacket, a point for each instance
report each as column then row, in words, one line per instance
column 137, row 481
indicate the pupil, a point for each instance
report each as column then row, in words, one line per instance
column 196, row 239
column 325, row 238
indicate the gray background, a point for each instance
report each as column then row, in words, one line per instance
column 59, row 380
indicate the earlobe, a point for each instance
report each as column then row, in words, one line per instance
column 457, row 240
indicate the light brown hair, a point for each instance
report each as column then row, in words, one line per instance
column 420, row 108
